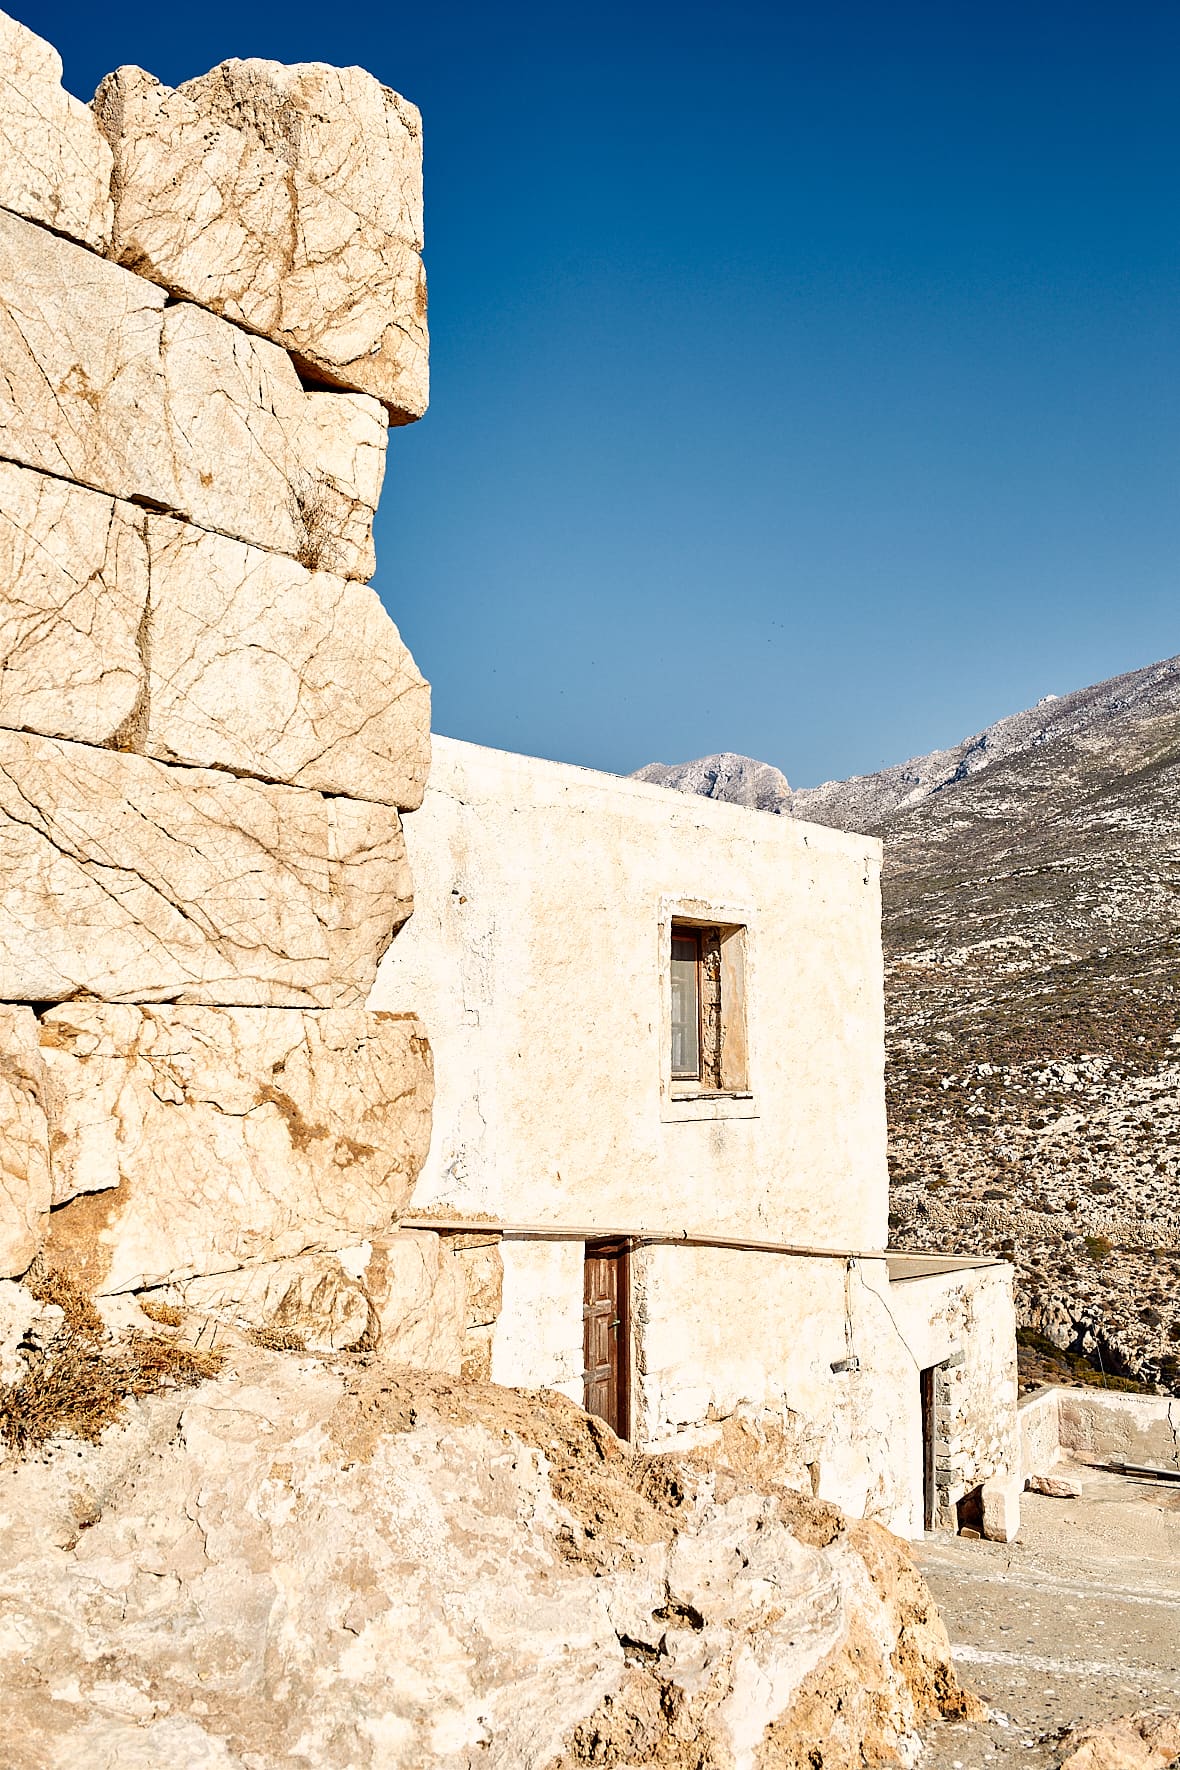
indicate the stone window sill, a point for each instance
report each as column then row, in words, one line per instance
column 679, row 1107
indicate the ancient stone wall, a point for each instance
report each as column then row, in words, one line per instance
column 212, row 307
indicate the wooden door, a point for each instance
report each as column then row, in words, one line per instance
column 929, row 1423
column 606, row 1335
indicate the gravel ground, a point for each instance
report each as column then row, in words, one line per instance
column 1077, row 1622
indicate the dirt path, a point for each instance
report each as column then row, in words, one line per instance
column 1078, row 1621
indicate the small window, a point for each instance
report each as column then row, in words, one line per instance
column 708, row 1033
column 686, row 1005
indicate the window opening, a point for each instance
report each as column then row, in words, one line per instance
column 697, row 1007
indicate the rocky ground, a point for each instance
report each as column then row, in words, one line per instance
column 281, row 1560
column 1032, row 938
column 1072, row 1625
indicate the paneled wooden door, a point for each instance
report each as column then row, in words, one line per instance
column 606, row 1336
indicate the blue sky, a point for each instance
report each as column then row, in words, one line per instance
column 804, row 377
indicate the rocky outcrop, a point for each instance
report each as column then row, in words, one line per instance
column 738, row 780
column 208, row 724
column 288, row 199
column 324, row 1561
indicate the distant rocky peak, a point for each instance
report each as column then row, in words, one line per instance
column 738, row 780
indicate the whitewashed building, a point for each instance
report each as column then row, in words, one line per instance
column 658, row 1033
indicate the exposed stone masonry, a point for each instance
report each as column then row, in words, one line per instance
column 211, row 307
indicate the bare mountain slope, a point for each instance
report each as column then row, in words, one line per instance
column 868, row 801
column 1032, row 938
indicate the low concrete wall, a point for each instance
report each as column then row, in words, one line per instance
column 1039, row 1433
column 1104, row 1427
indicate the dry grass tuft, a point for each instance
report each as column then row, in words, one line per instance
column 51, row 1286
column 276, row 1339
column 79, row 1385
column 167, row 1314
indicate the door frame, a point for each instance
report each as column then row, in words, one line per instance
column 618, row 1248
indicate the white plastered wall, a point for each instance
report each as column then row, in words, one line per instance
column 537, row 956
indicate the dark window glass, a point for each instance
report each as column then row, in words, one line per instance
column 686, row 1006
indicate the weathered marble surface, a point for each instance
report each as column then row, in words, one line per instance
column 55, row 165
column 147, row 634
column 178, row 409
column 263, row 667
column 208, row 1139
column 310, row 1299
column 332, row 1564
column 416, row 1287
column 24, row 1139
column 127, row 879
column 288, row 199
column 73, row 593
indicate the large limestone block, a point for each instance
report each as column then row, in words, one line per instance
column 73, row 594
column 177, row 409
column 124, row 878
column 142, row 633
column 225, row 1138
column 24, row 1140
column 416, row 1288
column 288, row 199
column 259, row 458
column 263, row 667
column 55, row 164
column 310, row 1301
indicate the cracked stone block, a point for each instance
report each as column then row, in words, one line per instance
column 24, row 1140
column 145, row 634
column 262, row 460
column 263, row 667
column 176, row 409
column 288, row 199
column 73, row 593
column 127, row 879
column 193, row 1141
column 416, row 1287
column 311, row 1298
column 55, row 163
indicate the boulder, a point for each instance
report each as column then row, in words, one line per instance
column 1054, row 1487
column 74, row 571
column 1145, row 1741
column 327, row 1564
column 177, row 409
column 194, row 1141
column 263, row 667
column 288, row 199
column 24, row 1140
column 55, row 165
column 124, row 878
